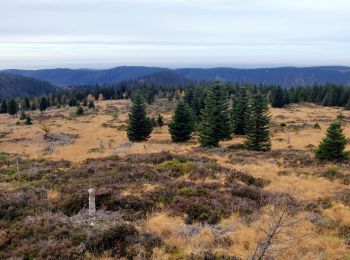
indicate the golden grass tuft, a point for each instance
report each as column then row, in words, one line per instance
column 53, row 196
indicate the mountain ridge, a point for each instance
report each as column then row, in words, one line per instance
column 284, row 76
column 21, row 86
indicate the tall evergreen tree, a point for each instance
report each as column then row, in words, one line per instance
column 215, row 117
column 80, row 110
column 3, row 107
column 33, row 106
column 12, row 107
column 182, row 124
column 26, row 104
column 277, row 99
column 140, row 126
column 258, row 118
column 333, row 145
column 160, row 120
column 43, row 104
column 239, row 110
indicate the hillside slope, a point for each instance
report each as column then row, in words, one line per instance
column 167, row 77
column 285, row 76
column 19, row 86
column 66, row 77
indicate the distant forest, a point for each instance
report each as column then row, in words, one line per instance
column 326, row 95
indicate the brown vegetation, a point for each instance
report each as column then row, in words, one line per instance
column 159, row 200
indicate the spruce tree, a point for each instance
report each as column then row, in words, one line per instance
column 43, row 104
column 238, row 112
column 257, row 119
column 182, row 124
column 33, row 106
column 347, row 105
column 3, row 107
column 12, row 107
column 28, row 121
column 160, row 121
column 80, row 111
column 215, row 117
column 26, row 104
column 140, row 126
column 23, row 116
column 277, row 99
column 333, row 145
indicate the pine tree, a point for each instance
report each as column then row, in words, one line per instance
column 160, row 121
column 80, row 111
column 215, row 117
column 140, row 126
column 33, row 106
column 287, row 97
column 28, row 121
column 333, row 145
column 43, row 104
column 347, row 105
column 90, row 100
column 3, row 107
column 23, row 116
column 12, row 107
column 277, row 97
column 238, row 112
column 258, row 118
column 182, row 124
column 26, row 104
column 73, row 102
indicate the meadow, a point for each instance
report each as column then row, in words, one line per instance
column 160, row 200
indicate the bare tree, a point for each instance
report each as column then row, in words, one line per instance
column 283, row 216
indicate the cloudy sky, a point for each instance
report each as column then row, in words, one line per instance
column 173, row 33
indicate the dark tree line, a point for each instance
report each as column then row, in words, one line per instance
column 217, row 120
column 326, row 95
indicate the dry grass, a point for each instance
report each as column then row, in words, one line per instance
column 233, row 236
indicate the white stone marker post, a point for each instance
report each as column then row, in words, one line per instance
column 92, row 205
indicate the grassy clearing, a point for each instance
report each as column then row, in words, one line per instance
column 161, row 200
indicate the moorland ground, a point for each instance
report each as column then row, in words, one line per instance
column 162, row 200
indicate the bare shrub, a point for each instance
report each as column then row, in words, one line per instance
column 283, row 214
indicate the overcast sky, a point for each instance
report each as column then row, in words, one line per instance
column 173, row 33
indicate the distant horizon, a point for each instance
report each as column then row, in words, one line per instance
column 180, row 67
column 252, row 67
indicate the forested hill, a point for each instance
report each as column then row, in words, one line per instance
column 68, row 77
column 19, row 86
column 285, row 76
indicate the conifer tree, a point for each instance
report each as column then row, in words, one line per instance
column 90, row 100
column 80, row 110
column 160, row 121
column 140, row 126
column 3, row 107
column 26, row 104
column 182, row 124
column 43, row 104
column 28, row 121
column 238, row 112
column 23, row 116
column 12, row 107
column 333, row 145
column 33, row 106
column 347, row 105
column 277, row 99
column 258, row 118
column 215, row 117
